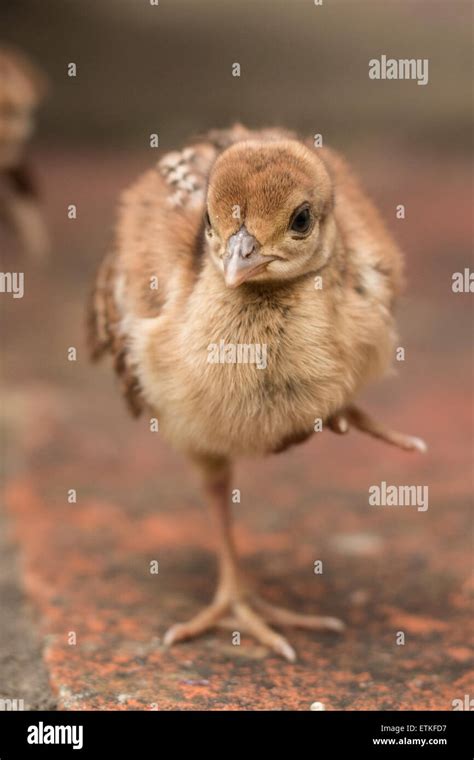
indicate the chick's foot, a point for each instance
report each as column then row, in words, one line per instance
column 251, row 615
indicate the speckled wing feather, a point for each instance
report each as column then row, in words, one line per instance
column 104, row 332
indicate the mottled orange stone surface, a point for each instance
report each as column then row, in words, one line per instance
column 86, row 566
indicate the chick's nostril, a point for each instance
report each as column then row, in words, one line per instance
column 247, row 244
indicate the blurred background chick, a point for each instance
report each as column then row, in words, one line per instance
column 22, row 89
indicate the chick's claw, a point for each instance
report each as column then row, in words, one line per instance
column 200, row 623
column 284, row 617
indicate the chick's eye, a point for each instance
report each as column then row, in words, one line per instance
column 301, row 220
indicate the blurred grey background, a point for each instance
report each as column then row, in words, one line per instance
column 167, row 68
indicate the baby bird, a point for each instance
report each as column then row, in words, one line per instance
column 249, row 293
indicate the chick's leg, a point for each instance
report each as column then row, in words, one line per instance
column 216, row 480
column 233, row 596
column 355, row 417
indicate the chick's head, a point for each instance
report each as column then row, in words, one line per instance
column 269, row 212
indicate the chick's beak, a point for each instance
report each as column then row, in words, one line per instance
column 242, row 258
